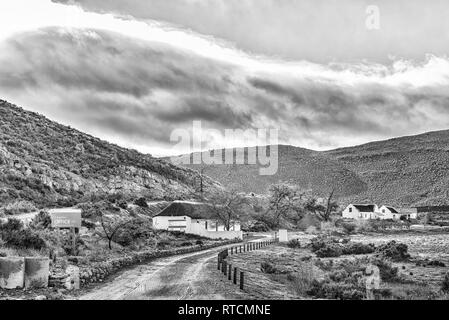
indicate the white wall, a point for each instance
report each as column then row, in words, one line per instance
column 356, row 214
column 197, row 226
column 171, row 223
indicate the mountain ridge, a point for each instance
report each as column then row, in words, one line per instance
column 401, row 171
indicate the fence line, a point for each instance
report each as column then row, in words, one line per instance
column 235, row 274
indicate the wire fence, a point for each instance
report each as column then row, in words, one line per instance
column 238, row 276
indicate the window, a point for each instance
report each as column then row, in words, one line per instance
column 350, row 209
column 383, row 210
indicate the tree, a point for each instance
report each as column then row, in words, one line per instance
column 227, row 206
column 110, row 228
column 284, row 199
column 323, row 212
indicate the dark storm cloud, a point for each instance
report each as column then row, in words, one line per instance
column 136, row 92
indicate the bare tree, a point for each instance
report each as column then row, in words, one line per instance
column 110, row 229
column 283, row 200
column 322, row 212
column 227, row 206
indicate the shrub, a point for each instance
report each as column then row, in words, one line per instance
column 294, row 244
column 199, row 242
column 163, row 243
column 41, row 221
column 358, row 248
column 336, row 290
column 134, row 231
column 23, row 239
column 268, row 267
column 141, row 202
column 348, row 227
column 11, row 225
column 394, row 251
column 186, row 244
column 388, row 273
column 258, row 226
column 330, row 251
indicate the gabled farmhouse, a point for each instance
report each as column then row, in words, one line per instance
column 195, row 218
column 389, row 213
column 361, row 211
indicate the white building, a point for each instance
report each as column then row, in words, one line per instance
column 195, row 218
column 361, row 211
column 373, row 212
column 389, row 213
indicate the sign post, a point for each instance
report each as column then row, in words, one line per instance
column 67, row 218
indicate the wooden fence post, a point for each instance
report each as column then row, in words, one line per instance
column 219, row 262
column 232, row 250
column 230, row 272
column 235, row 276
column 225, row 269
column 242, row 276
column 240, row 249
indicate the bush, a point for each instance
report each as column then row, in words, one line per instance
column 186, row 244
column 14, row 235
column 41, row 221
column 134, row 231
column 388, row 273
column 199, row 242
column 22, row 239
column 258, row 226
column 294, row 244
column 348, row 227
column 11, row 225
column 394, row 251
column 358, row 248
column 331, row 250
column 163, row 244
column 141, row 202
column 336, row 290
column 268, row 267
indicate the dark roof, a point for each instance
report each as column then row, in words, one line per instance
column 433, row 209
column 393, row 210
column 194, row 210
column 365, row 207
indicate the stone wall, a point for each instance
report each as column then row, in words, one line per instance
column 98, row 272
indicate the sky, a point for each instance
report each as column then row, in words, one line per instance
column 132, row 72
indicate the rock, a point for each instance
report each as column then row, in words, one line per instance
column 40, row 298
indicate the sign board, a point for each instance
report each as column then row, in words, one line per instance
column 65, row 218
column 283, row 235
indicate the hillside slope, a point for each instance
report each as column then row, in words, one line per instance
column 411, row 170
column 404, row 171
column 46, row 164
column 308, row 169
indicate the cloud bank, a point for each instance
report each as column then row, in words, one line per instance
column 132, row 83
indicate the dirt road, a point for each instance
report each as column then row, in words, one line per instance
column 190, row 276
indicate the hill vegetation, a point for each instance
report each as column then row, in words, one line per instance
column 404, row 171
column 45, row 164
